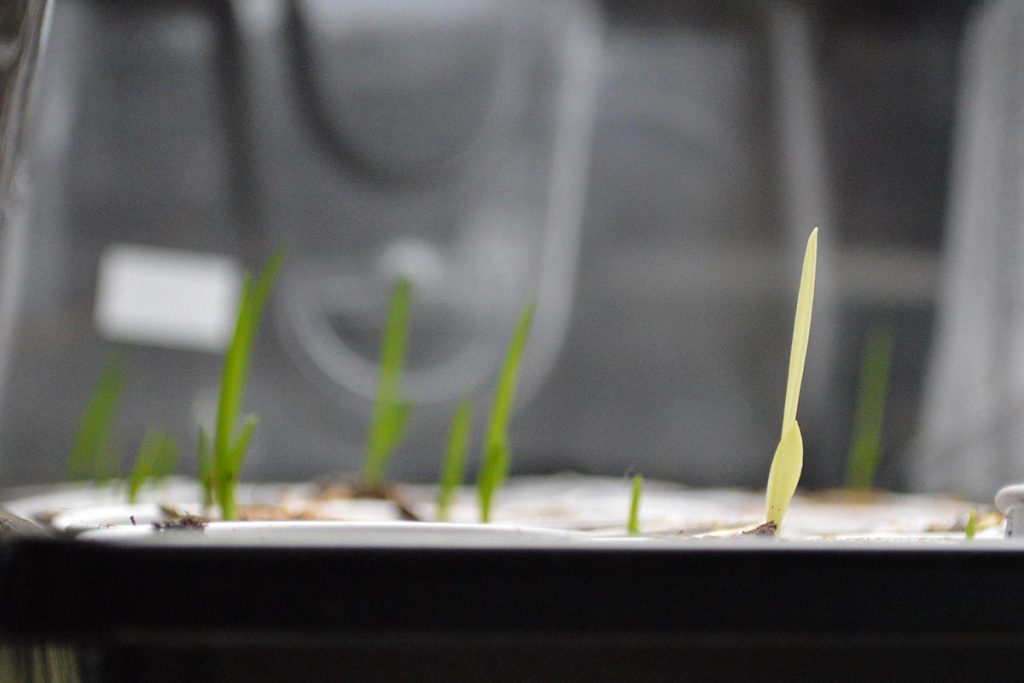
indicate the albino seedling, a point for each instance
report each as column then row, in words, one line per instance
column 497, row 455
column 789, row 455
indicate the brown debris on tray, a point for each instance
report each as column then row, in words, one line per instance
column 348, row 489
column 182, row 522
column 986, row 520
column 766, row 529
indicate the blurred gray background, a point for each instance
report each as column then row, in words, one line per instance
column 648, row 171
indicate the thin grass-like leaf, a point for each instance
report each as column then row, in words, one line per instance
column 206, row 468
column 784, row 474
column 866, row 445
column 493, row 472
column 93, row 454
column 156, row 459
column 236, row 361
column 242, row 444
column 227, row 456
column 390, row 411
column 801, row 330
column 392, row 429
column 497, row 456
column 972, row 524
column 633, row 524
column 454, row 466
column 232, row 384
column 789, row 455
column 227, row 479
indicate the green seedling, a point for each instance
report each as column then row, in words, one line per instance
column 972, row 524
column 390, row 411
column 866, row 447
column 157, row 457
column 231, row 442
column 789, row 455
column 455, row 456
column 497, row 456
column 94, row 455
column 633, row 526
column 206, row 469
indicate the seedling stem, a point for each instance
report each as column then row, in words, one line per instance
column 972, row 524
column 390, row 411
column 633, row 527
column 229, row 447
column 157, row 457
column 93, row 455
column 497, row 456
column 206, row 469
column 455, row 456
column 866, row 447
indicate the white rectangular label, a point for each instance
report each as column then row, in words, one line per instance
column 167, row 297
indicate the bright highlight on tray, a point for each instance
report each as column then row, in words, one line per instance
column 789, row 455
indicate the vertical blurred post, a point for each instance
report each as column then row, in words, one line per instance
column 970, row 433
column 22, row 28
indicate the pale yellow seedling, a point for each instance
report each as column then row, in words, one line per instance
column 789, row 454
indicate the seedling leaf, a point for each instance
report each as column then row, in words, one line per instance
column 236, row 361
column 242, row 444
column 492, row 474
column 390, row 411
column 93, row 455
column 785, row 473
column 497, row 456
column 232, row 384
column 227, row 478
column 972, row 524
column 391, row 430
column 801, row 330
column 206, row 476
column 633, row 525
column 229, row 453
column 157, row 457
column 455, row 456
column 866, row 448
column 789, row 454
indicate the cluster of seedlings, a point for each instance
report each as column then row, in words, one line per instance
column 220, row 459
column 95, row 456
